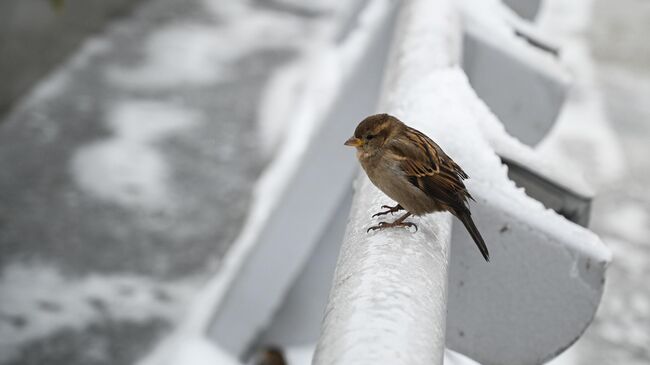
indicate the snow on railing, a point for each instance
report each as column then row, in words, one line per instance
column 541, row 290
column 388, row 303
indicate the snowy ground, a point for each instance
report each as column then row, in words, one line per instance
column 127, row 173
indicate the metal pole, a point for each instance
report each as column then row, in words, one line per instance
column 388, row 302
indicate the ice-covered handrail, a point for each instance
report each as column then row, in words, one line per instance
column 388, row 303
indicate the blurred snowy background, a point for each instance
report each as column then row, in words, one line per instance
column 126, row 171
column 616, row 36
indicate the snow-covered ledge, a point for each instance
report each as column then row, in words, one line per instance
column 388, row 304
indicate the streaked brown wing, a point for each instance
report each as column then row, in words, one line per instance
column 430, row 169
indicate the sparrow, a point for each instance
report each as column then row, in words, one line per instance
column 414, row 171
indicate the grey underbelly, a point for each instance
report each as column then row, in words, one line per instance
column 403, row 192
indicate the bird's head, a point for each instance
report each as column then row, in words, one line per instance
column 374, row 131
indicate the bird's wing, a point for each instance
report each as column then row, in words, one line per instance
column 427, row 167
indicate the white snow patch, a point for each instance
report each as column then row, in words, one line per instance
column 190, row 53
column 46, row 301
column 127, row 168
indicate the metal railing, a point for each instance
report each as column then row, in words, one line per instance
column 388, row 303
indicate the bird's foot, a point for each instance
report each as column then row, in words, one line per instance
column 391, row 210
column 398, row 223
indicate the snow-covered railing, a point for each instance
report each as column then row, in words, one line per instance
column 541, row 289
column 388, row 303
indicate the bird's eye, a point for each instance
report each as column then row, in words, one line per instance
column 369, row 137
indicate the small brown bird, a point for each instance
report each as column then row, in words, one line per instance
column 414, row 171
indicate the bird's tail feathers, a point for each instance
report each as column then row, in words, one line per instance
column 466, row 218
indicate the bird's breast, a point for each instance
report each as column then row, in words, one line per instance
column 391, row 180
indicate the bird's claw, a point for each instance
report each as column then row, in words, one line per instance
column 383, row 225
column 409, row 225
column 390, row 210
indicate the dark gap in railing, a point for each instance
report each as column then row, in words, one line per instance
column 555, row 51
column 569, row 204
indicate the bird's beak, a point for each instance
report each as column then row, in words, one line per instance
column 354, row 142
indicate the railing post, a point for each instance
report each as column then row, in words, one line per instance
column 388, row 303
